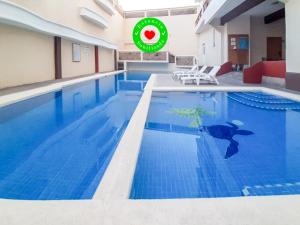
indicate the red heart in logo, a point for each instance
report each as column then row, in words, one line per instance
column 149, row 34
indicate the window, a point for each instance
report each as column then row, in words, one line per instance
column 76, row 52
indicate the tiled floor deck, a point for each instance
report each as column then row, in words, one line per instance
column 165, row 80
column 230, row 79
column 26, row 87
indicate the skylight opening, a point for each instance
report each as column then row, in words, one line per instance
column 130, row 5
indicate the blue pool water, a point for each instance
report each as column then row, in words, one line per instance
column 246, row 144
column 58, row 145
column 133, row 80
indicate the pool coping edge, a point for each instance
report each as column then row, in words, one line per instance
column 12, row 98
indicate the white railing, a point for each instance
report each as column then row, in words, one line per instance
column 207, row 13
column 137, row 56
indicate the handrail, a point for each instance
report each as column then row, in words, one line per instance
column 206, row 4
column 202, row 10
column 198, row 17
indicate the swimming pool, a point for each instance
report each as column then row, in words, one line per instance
column 133, row 80
column 218, row 144
column 58, row 145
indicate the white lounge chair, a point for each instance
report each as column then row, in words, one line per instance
column 179, row 73
column 193, row 74
column 208, row 76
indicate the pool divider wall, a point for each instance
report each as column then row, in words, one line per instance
column 117, row 180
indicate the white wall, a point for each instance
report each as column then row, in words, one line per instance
column 259, row 33
column 213, row 40
column 225, row 44
column 182, row 41
column 28, row 57
column 66, row 12
column 182, row 36
column 25, row 57
column 106, row 60
column 239, row 25
column 253, row 26
column 86, row 65
column 292, row 8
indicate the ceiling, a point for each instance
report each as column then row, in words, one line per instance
column 265, row 8
column 260, row 10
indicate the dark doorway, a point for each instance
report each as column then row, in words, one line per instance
column 274, row 48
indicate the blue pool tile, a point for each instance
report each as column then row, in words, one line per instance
column 58, row 145
column 131, row 85
column 179, row 161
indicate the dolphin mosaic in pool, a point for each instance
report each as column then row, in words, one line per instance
column 224, row 132
column 228, row 132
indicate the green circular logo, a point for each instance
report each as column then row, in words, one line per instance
column 150, row 35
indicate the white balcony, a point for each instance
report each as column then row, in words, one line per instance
column 93, row 17
column 214, row 9
column 31, row 21
column 106, row 6
column 208, row 13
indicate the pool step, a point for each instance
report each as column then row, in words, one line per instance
column 267, row 104
column 271, row 189
column 275, row 100
column 260, row 95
